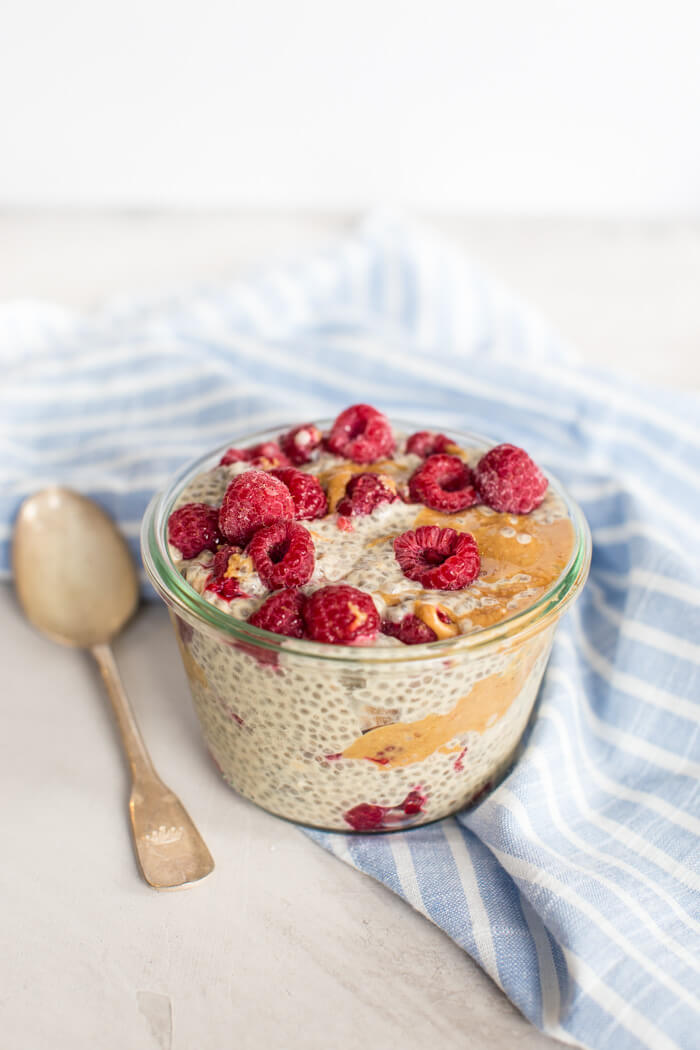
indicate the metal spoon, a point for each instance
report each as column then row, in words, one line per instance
column 76, row 581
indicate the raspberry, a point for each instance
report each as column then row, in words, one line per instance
column 365, row 817
column 425, row 443
column 252, row 500
column 299, row 444
column 283, row 554
column 221, row 558
column 364, row 492
column 222, row 581
column 509, row 481
column 443, row 483
column 411, row 630
column 194, row 528
column 361, row 434
column 234, row 455
column 439, row 559
column 282, row 613
column 306, row 492
column 226, row 589
column 341, row 615
column 267, row 456
column 413, row 803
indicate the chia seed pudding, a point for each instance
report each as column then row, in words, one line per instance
column 407, row 642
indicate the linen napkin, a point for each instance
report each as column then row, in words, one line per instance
column 575, row 883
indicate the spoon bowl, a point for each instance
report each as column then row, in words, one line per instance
column 74, row 574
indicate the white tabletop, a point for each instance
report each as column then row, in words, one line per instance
column 283, row 946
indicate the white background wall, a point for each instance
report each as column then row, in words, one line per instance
column 506, row 105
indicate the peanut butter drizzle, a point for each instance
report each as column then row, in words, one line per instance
column 456, row 450
column 382, row 539
column 396, row 599
column 402, row 743
column 543, row 559
column 238, row 565
column 428, row 613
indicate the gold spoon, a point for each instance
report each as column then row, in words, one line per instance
column 76, row 581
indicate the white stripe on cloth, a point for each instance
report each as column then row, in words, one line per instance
column 480, row 926
column 631, row 683
column 651, row 581
column 617, row 830
column 524, row 871
column 633, row 745
column 621, row 1011
column 642, row 632
column 516, row 808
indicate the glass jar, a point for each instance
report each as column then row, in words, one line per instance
column 358, row 738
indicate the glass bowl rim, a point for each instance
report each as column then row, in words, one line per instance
column 171, row 586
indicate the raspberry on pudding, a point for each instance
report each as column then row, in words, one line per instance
column 310, row 500
column 194, row 528
column 342, row 616
column 364, row 492
column 282, row 613
column 376, row 561
column 301, row 443
column 440, row 559
column 283, row 554
column 508, row 480
column 252, row 500
column 443, row 483
column 361, row 434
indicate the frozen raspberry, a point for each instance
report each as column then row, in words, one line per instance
column 252, row 500
column 413, row 803
column 221, row 582
column 228, row 589
column 341, row 615
column 439, row 559
column 443, row 483
column 194, row 528
column 234, row 455
column 283, row 554
column 264, row 456
column 364, row 492
column 425, row 443
column 300, row 443
column 361, row 434
column 221, row 558
column 305, row 489
column 365, row 817
column 411, row 630
column 268, row 456
column 344, row 524
column 282, row 613
column 509, row 481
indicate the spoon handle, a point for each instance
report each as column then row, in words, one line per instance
column 170, row 850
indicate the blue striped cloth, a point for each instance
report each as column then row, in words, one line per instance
column 575, row 884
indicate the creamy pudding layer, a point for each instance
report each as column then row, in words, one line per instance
column 316, row 743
